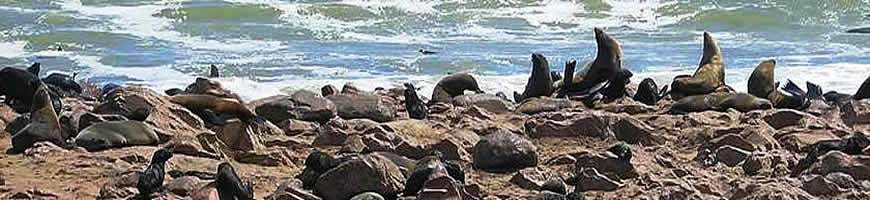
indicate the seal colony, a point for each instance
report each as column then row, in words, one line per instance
column 590, row 128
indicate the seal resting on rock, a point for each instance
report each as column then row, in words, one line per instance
column 44, row 124
column 720, row 101
column 761, row 84
column 63, row 82
column 853, row 145
column 111, row 134
column 151, row 179
column 453, row 85
column 540, row 82
column 708, row 78
column 230, row 186
column 413, row 105
column 648, row 92
column 601, row 71
column 17, row 85
column 200, row 102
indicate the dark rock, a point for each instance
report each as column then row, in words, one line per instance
column 293, row 127
column 367, row 173
column 440, row 188
column 366, row 106
column 368, row 196
column 820, row 186
column 301, row 105
column 555, row 185
column 291, row 190
column 529, row 178
column 634, row 131
column 504, row 151
column 607, row 164
column 184, row 186
column 730, row 155
column 549, row 195
column 337, row 130
column 857, row 166
column 782, row 118
column 733, row 140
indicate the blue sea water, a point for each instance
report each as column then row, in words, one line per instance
column 265, row 47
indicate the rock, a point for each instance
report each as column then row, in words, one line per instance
column 782, row 118
column 488, row 102
column 293, row 127
column 634, row 131
column 301, row 105
column 368, row 196
column 337, row 130
column 291, row 190
column 843, row 180
column 441, row 187
column 555, row 185
column 171, row 119
column 820, row 186
column 857, row 166
column 761, row 137
column 730, row 155
column 120, row 186
column 626, row 105
column 537, row 105
column 549, row 195
column 184, row 186
column 562, row 160
column 591, row 124
column 240, row 136
column 733, row 140
column 756, row 162
column 798, row 140
column 529, row 178
column 607, row 164
column 504, row 151
column 363, row 106
column 17, row 124
column 451, row 150
column 856, row 112
column 207, row 192
column 588, row 179
column 367, row 173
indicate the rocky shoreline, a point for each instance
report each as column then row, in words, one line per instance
column 592, row 135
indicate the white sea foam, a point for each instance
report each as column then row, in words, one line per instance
column 14, row 49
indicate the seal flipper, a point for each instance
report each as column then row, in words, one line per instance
column 555, row 76
column 814, row 91
column 34, row 69
column 664, row 92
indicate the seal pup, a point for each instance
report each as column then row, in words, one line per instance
column 453, row 85
column 540, row 82
column 230, row 186
column 111, row 134
column 200, row 102
column 213, row 71
column 761, row 84
column 616, row 88
column 853, row 145
column 413, row 105
column 17, row 85
column 601, row 71
column 863, row 90
column 151, row 179
column 568, row 79
column 708, row 78
column 648, row 92
column 44, row 124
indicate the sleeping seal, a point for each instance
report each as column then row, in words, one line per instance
column 201, row 102
column 453, row 85
column 111, row 134
column 761, row 84
column 720, row 101
column 44, row 124
column 708, row 78
column 540, row 82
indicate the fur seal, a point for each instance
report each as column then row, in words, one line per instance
column 17, row 85
column 63, row 82
column 210, row 87
column 853, row 145
column 761, row 84
column 616, row 88
column 863, row 90
column 426, row 52
column 111, row 134
column 151, row 179
column 327, row 90
column 859, row 30
column 568, row 79
column 720, row 101
column 230, row 186
column 540, row 82
column 413, row 105
column 173, row 91
column 453, row 85
column 213, row 71
column 814, row 91
column 200, row 102
column 44, row 124
column 648, row 92
column 708, row 78
column 34, row 69
column 601, row 71
column 622, row 151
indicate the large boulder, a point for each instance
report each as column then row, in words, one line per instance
column 537, row 105
column 336, row 131
column 488, row 102
column 571, row 124
column 301, row 105
column 363, row 106
column 606, row 163
column 171, row 120
column 368, row 173
column 504, row 151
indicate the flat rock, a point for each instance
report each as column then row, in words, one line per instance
column 363, row 106
column 572, row 124
column 730, row 155
column 529, row 178
column 537, row 105
column 185, row 185
column 301, row 105
column 368, row 173
column 488, row 102
column 857, row 166
column 588, row 179
column 634, row 131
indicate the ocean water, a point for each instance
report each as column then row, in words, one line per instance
column 265, row 47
